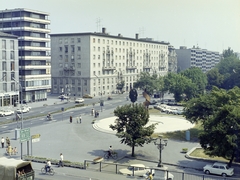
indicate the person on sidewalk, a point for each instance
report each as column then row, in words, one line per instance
column 80, row 119
column 70, row 119
column 61, row 160
column 2, row 142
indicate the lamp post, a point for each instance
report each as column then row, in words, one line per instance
column 160, row 146
column 101, row 101
column 21, row 99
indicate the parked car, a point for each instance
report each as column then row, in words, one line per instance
column 6, row 112
column 136, row 169
column 163, row 175
column 87, row 96
column 22, row 110
column 218, row 169
column 63, row 97
column 28, row 107
column 79, row 100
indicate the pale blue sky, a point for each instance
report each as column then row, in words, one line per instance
column 210, row 24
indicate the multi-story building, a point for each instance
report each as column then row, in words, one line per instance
column 31, row 27
column 9, row 90
column 93, row 63
column 172, row 59
column 196, row 57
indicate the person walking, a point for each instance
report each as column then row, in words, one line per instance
column 80, row 119
column 2, row 141
column 70, row 119
column 61, row 160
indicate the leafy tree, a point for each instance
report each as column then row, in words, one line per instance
column 120, row 85
column 214, row 78
column 228, row 53
column 146, row 82
column 133, row 95
column 131, row 125
column 219, row 114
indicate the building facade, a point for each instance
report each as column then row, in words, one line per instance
column 93, row 63
column 172, row 59
column 31, row 27
column 9, row 89
column 196, row 57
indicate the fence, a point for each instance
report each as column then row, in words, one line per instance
column 115, row 167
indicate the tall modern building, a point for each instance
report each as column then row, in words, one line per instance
column 196, row 57
column 31, row 27
column 93, row 63
column 9, row 90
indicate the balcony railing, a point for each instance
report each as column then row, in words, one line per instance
column 106, row 68
column 131, row 67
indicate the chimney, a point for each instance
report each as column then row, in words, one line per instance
column 136, row 36
column 104, row 30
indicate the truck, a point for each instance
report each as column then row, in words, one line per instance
column 218, row 169
column 15, row 169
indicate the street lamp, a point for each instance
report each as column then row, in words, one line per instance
column 160, row 146
column 21, row 99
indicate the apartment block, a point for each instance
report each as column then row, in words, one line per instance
column 9, row 89
column 196, row 57
column 31, row 27
column 93, row 63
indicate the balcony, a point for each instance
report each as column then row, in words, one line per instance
column 108, row 68
column 131, row 67
column 29, row 19
column 32, row 67
column 31, row 29
column 37, row 87
column 38, row 39
column 32, row 48
column 147, row 67
column 37, row 76
column 35, row 58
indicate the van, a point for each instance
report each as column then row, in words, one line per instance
column 14, row 169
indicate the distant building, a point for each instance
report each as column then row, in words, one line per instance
column 196, row 57
column 9, row 89
column 172, row 59
column 93, row 63
column 31, row 27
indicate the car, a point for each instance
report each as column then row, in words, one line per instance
column 22, row 110
column 63, row 97
column 136, row 170
column 218, row 169
column 87, row 96
column 6, row 112
column 26, row 106
column 79, row 100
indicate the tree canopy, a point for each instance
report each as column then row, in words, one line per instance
column 131, row 125
column 219, row 114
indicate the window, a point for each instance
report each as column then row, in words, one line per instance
column 94, row 56
column 79, row 65
column 72, row 40
column 12, row 75
column 78, row 40
column 98, row 40
column 72, row 48
column 85, row 82
column 60, row 65
column 66, row 40
column 60, row 41
column 5, row 87
column 98, row 48
column 3, row 54
column 66, row 58
column 60, row 49
column 79, row 56
column 60, row 57
column 93, row 40
column 12, row 66
column 66, row 49
column 12, row 55
column 4, row 66
column 12, row 44
column 4, row 76
column 79, row 73
column 12, row 86
column 94, row 64
column 98, row 56
column 79, row 48
column 4, row 44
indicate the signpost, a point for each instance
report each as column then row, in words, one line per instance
column 62, row 112
column 25, row 135
column 35, row 138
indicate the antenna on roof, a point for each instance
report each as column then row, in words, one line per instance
column 98, row 22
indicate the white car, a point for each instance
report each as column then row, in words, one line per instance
column 6, row 112
column 28, row 107
column 79, row 100
column 63, row 97
column 22, row 110
column 136, row 170
column 219, row 169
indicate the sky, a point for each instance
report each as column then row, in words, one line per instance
column 209, row 24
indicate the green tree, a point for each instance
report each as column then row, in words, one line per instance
column 219, row 114
column 120, row 85
column 214, row 78
column 228, row 53
column 133, row 95
column 131, row 125
column 146, row 82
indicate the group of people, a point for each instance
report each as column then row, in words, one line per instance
column 3, row 142
column 48, row 163
column 21, row 173
column 11, row 151
column 94, row 113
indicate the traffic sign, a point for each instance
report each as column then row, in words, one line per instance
column 25, row 135
column 36, row 138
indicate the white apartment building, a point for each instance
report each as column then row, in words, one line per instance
column 196, row 57
column 9, row 89
column 93, row 63
column 31, row 27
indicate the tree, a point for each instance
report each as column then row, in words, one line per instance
column 219, row 114
column 228, row 53
column 133, row 95
column 214, row 78
column 120, row 85
column 146, row 82
column 131, row 125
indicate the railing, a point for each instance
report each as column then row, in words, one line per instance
column 115, row 167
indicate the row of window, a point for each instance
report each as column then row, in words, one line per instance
column 5, row 76
column 5, row 87
column 4, row 44
column 12, row 66
column 37, row 83
column 11, row 55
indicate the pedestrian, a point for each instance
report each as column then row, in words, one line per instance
column 2, row 141
column 92, row 112
column 80, row 119
column 150, row 176
column 7, row 141
column 61, row 160
column 77, row 119
column 70, row 119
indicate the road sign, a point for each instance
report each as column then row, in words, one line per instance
column 36, row 136
column 25, row 135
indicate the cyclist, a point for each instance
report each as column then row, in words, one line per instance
column 110, row 150
column 48, row 165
